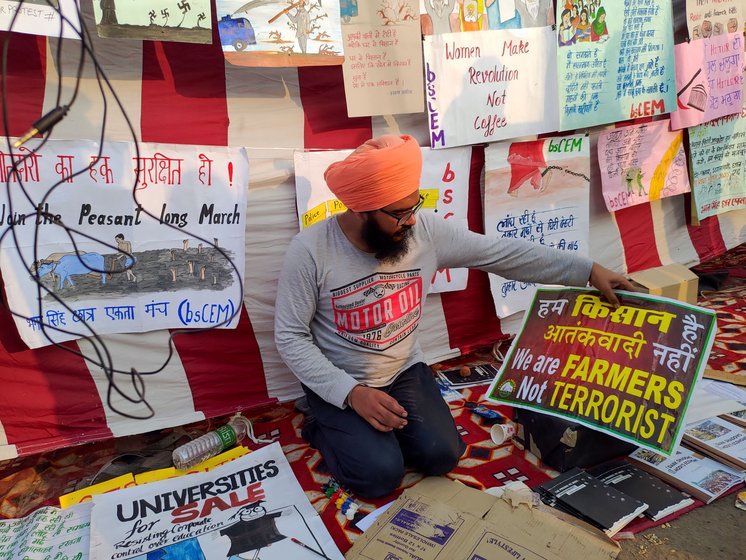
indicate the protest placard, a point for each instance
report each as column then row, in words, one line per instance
column 253, row 504
column 628, row 372
column 708, row 18
column 641, row 163
column 491, row 85
column 156, row 241
column 536, row 191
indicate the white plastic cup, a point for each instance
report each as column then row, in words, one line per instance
column 500, row 433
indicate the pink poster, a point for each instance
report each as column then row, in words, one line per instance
column 641, row 163
column 709, row 80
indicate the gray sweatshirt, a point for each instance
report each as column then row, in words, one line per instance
column 342, row 317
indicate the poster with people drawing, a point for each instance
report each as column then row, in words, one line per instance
column 444, row 185
column 251, row 507
column 107, row 239
column 537, row 191
column 448, row 16
column 615, row 61
column 281, row 32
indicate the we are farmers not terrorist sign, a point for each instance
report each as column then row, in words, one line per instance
column 629, row 372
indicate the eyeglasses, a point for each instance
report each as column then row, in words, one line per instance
column 405, row 215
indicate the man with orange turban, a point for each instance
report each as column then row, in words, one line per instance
column 349, row 302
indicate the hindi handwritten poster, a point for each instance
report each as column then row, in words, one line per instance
column 250, row 507
column 41, row 17
column 488, row 86
column 155, row 20
column 617, row 65
column 446, row 16
column 280, row 32
column 641, row 163
column 173, row 258
column 710, row 18
column 718, row 165
column 444, row 184
column 709, row 79
column 537, row 191
column 629, row 372
column 47, row 533
column 383, row 59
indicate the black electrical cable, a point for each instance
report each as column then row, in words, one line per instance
column 45, row 125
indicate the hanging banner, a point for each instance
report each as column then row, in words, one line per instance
column 629, row 372
column 718, row 166
column 537, row 191
column 280, row 32
column 383, row 59
column 483, row 87
column 171, row 257
column 617, row 65
column 710, row 18
column 709, row 80
column 252, row 505
column 444, row 184
column 155, row 20
column 40, row 17
column 641, row 163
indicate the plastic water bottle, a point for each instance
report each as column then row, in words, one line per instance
column 211, row 444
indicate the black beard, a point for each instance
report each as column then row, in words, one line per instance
column 386, row 248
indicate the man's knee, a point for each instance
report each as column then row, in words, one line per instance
column 378, row 475
column 440, row 455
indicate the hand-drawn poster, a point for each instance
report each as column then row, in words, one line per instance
column 47, row 533
column 718, row 165
column 616, row 65
column 710, row 18
column 252, row 507
column 282, row 32
column 709, row 79
column 444, row 184
column 171, row 257
column 641, row 163
column 383, row 59
column 41, row 17
column 446, row 16
column 184, row 21
column 483, row 87
column 537, row 191
column 629, row 372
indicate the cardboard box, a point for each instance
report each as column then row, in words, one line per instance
column 673, row 280
column 441, row 519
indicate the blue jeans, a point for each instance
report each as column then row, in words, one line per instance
column 371, row 463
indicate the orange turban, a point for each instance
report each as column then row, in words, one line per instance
column 378, row 173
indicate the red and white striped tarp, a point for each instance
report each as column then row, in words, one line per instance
column 186, row 93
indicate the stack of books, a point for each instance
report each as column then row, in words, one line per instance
column 695, row 474
column 722, row 440
column 578, row 493
column 662, row 499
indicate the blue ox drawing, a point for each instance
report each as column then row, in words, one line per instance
column 71, row 265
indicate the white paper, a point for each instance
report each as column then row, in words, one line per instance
column 188, row 253
column 47, row 533
column 39, row 18
column 252, row 505
column 507, row 10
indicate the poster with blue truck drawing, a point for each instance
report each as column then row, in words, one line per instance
column 112, row 240
column 283, row 32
